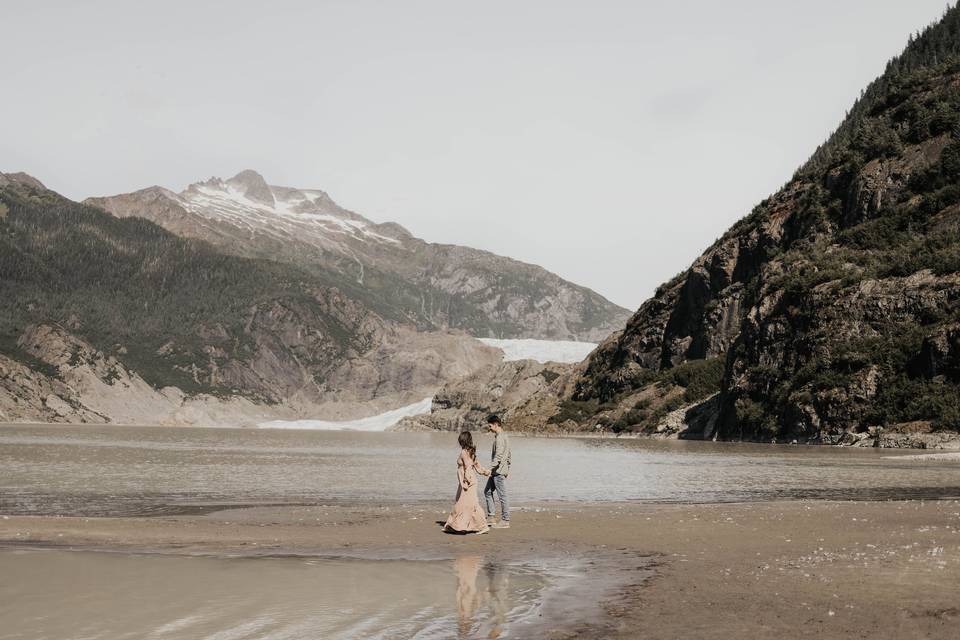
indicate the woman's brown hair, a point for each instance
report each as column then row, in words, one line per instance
column 466, row 442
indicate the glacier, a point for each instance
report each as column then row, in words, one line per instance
column 541, row 350
column 379, row 422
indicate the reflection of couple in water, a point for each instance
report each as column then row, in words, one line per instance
column 467, row 515
column 470, row 598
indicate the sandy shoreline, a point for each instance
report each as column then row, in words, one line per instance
column 791, row 569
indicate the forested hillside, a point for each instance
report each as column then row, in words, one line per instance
column 173, row 309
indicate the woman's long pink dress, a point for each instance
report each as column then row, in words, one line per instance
column 467, row 514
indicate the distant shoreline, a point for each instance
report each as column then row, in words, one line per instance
column 947, row 444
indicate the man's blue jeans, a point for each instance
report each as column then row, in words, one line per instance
column 497, row 483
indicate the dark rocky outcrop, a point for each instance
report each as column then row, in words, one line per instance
column 510, row 389
column 939, row 356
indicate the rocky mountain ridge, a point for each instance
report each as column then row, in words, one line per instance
column 382, row 266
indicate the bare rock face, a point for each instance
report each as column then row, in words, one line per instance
column 507, row 389
column 288, row 351
column 406, row 367
column 885, row 180
column 919, row 434
column 383, row 266
column 83, row 385
column 253, row 187
column 20, row 178
column 696, row 421
column 29, row 396
column 154, row 203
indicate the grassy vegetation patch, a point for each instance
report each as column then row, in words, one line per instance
column 699, row 378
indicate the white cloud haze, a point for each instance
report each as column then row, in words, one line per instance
column 610, row 142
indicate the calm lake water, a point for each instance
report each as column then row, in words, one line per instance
column 92, row 470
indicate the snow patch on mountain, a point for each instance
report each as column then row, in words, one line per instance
column 541, row 350
column 286, row 210
column 380, row 422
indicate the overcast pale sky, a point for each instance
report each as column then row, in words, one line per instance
column 610, row 142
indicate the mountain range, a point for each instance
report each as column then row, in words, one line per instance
column 399, row 276
column 236, row 302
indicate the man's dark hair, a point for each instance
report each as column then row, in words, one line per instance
column 493, row 419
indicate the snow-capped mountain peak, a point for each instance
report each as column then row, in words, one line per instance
column 248, row 202
column 253, row 186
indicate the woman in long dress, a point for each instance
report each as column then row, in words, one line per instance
column 467, row 515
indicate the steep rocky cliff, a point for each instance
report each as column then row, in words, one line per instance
column 381, row 266
column 64, row 379
column 832, row 309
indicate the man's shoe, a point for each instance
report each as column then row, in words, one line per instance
column 503, row 524
column 491, row 522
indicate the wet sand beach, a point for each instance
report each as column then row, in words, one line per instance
column 793, row 569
